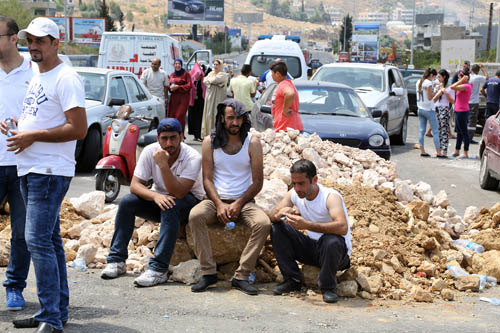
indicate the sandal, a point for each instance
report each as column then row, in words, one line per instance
column 424, row 155
column 455, row 155
column 442, row 156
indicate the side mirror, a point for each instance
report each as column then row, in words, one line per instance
column 377, row 113
column 265, row 109
column 398, row 91
column 116, row 101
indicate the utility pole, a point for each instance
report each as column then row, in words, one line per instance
column 66, row 27
column 412, row 34
column 490, row 22
column 345, row 33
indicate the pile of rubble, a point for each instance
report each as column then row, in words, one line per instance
column 402, row 232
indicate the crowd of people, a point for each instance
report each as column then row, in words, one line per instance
column 437, row 98
column 42, row 107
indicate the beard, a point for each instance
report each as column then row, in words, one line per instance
column 40, row 59
column 233, row 130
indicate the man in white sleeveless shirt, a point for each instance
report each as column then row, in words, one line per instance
column 321, row 212
column 232, row 167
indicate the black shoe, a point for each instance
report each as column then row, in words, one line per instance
column 329, row 296
column 244, row 286
column 286, row 287
column 473, row 142
column 206, row 280
column 46, row 328
column 30, row 322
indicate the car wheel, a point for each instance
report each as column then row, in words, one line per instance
column 108, row 181
column 91, row 151
column 485, row 180
column 400, row 138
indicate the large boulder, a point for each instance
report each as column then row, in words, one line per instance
column 4, row 252
column 188, row 272
column 227, row 246
column 182, row 252
column 487, row 263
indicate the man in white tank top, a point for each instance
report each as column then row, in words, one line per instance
column 232, row 167
column 321, row 212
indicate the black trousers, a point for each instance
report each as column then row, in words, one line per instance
column 329, row 253
column 491, row 109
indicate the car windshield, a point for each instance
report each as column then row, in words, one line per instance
column 95, row 85
column 354, row 77
column 260, row 64
column 411, row 83
column 332, row 101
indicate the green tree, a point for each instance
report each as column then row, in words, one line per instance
column 156, row 21
column 386, row 41
column 15, row 9
column 216, row 42
column 146, row 21
column 130, row 16
column 164, row 20
column 274, row 7
column 426, row 59
column 115, row 10
column 347, row 25
column 103, row 11
column 284, row 9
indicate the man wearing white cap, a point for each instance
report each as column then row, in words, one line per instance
column 53, row 118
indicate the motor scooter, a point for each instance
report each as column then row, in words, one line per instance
column 119, row 153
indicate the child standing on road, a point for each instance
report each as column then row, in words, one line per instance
column 443, row 97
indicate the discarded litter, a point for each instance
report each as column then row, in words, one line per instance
column 494, row 301
column 165, row 316
column 79, row 264
column 74, row 282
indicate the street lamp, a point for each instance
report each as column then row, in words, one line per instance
column 412, row 36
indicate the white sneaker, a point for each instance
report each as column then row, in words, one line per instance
column 151, row 278
column 113, row 270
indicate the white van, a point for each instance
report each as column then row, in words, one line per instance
column 263, row 52
column 134, row 51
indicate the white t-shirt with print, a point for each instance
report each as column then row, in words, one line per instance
column 187, row 165
column 13, row 88
column 48, row 97
column 423, row 101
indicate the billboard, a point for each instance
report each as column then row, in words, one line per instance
column 455, row 52
column 60, row 24
column 87, row 30
column 196, row 12
column 365, row 42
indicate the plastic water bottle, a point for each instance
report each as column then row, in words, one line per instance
column 283, row 218
column 251, row 277
column 467, row 244
column 79, row 264
column 490, row 281
column 494, row 301
column 11, row 125
column 229, row 226
column 456, row 271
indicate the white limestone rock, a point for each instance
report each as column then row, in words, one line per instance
column 403, row 191
column 424, row 191
column 471, row 213
column 441, row 199
column 271, row 194
column 87, row 252
column 90, row 204
column 188, row 272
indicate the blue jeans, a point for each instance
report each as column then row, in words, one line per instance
column 19, row 263
column 131, row 206
column 43, row 195
column 423, row 117
column 461, row 121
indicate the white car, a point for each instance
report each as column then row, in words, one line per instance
column 105, row 91
column 380, row 86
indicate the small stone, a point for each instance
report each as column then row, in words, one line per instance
column 441, row 199
column 373, row 228
column 447, row 294
column 471, row 282
column 374, row 283
column 379, row 254
column 438, row 285
column 87, row 252
column 421, row 295
column 428, row 268
column 366, row 295
column 419, row 209
column 387, row 269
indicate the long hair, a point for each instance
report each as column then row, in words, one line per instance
column 218, row 135
column 428, row 72
column 446, row 76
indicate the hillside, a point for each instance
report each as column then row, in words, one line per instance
column 147, row 15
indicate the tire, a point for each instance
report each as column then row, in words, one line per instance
column 108, row 181
column 91, row 151
column 485, row 180
column 400, row 138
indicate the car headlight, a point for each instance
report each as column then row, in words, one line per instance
column 116, row 126
column 376, row 140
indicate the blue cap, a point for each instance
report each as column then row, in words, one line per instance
column 169, row 124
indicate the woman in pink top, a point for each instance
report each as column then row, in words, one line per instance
column 464, row 91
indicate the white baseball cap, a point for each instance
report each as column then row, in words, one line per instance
column 40, row 27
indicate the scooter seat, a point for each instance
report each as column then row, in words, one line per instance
column 147, row 138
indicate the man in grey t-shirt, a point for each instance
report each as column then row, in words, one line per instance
column 477, row 82
column 156, row 80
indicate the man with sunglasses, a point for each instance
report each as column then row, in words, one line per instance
column 15, row 76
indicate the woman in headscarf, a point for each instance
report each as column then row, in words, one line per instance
column 195, row 114
column 180, row 92
column 216, row 82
